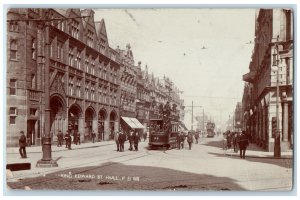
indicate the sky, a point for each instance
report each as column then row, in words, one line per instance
column 203, row 51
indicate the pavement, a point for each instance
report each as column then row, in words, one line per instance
column 157, row 169
column 13, row 156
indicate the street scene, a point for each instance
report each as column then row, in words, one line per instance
column 206, row 167
column 156, row 99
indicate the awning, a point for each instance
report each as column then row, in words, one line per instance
column 139, row 125
column 133, row 123
column 249, row 77
column 182, row 126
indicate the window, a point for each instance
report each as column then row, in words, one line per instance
column 13, row 86
column 32, row 111
column 102, row 46
column 33, row 49
column 71, row 85
column 71, row 56
column 12, row 119
column 93, row 66
column 78, row 60
column 93, row 92
column 78, row 87
column 12, row 115
column 62, row 26
column 13, row 111
column 60, row 50
column 33, row 81
column 75, row 29
column 87, row 90
column 87, row 64
column 13, row 27
column 51, row 50
column 90, row 38
column 13, row 49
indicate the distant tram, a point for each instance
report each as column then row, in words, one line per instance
column 164, row 128
column 210, row 128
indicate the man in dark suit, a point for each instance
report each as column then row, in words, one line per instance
column 22, row 145
column 68, row 140
column 243, row 144
column 136, row 139
column 121, row 139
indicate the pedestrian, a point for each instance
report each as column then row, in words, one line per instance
column 234, row 142
column 197, row 136
column 179, row 140
column 22, row 145
column 182, row 139
column 60, row 137
column 243, row 144
column 130, row 138
column 145, row 135
column 99, row 137
column 75, row 137
column 78, row 137
column 121, row 139
column 116, row 138
column 190, row 140
column 68, row 139
column 136, row 139
column 93, row 136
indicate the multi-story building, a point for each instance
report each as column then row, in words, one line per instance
column 238, row 117
column 273, row 46
column 143, row 95
column 128, row 98
column 83, row 70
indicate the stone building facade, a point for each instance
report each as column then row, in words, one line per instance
column 92, row 87
column 273, row 47
column 84, row 74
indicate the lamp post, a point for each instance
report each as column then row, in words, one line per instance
column 275, row 67
column 46, row 160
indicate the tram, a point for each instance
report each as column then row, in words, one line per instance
column 210, row 127
column 164, row 128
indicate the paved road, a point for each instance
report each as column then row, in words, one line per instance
column 204, row 168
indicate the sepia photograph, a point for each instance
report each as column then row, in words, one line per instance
column 150, row 99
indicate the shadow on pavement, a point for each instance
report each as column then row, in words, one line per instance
column 284, row 162
column 219, row 144
column 116, row 176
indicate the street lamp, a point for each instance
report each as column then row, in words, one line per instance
column 47, row 161
column 275, row 67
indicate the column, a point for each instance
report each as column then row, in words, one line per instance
column 285, row 122
column 106, row 129
column 81, row 128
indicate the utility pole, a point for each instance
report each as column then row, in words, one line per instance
column 203, row 120
column 192, row 115
column 275, row 65
column 193, row 112
column 233, row 122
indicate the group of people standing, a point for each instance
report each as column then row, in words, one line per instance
column 133, row 138
column 190, row 139
column 236, row 140
column 68, row 138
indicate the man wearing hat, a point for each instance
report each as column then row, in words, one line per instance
column 243, row 144
column 22, row 145
column 121, row 139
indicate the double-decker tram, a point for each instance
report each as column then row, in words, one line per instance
column 210, row 127
column 164, row 128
